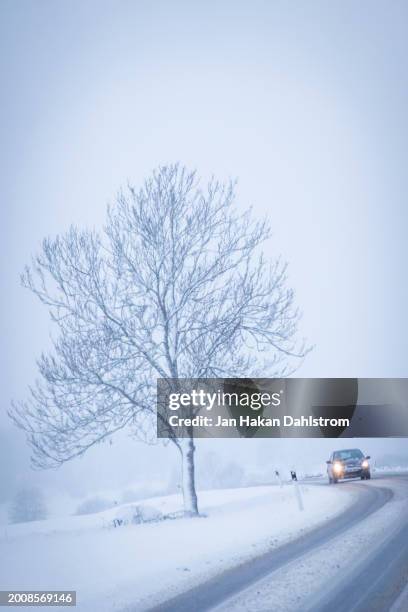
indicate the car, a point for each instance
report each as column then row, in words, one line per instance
column 348, row 463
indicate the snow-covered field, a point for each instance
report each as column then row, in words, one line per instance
column 386, row 469
column 140, row 564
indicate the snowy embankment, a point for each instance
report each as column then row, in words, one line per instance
column 387, row 469
column 140, row 564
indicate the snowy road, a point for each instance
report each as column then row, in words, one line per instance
column 355, row 563
column 381, row 580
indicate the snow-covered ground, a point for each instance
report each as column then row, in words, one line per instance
column 385, row 469
column 141, row 564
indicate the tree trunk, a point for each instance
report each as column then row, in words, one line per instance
column 187, row 449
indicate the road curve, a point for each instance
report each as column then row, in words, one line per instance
column 213, row 592
column 380, row 581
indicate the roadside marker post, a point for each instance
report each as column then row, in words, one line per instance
column 298, row 493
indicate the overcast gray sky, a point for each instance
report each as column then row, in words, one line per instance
column 304, row 102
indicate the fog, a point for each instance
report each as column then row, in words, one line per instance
column 305, row 104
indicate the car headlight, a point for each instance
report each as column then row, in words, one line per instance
column 365, row 464
column 337, row 467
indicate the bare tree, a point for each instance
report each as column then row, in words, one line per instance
column 28, row 505
column 175, row 286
